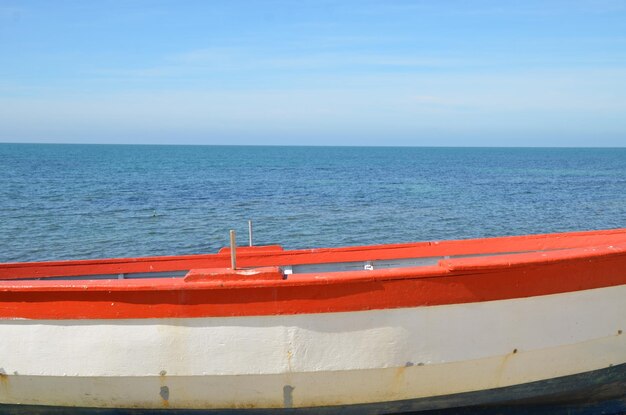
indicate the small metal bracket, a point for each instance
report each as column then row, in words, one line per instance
column 233, row 249
column 250, row 232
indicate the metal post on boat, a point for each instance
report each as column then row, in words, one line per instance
column 250, row 232
column 233, row 250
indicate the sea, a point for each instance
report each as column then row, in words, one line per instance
column 61, row 201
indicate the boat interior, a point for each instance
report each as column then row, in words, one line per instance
column 286, row 264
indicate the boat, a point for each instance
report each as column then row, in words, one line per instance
column 517, row 324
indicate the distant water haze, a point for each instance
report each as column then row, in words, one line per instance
column 94, row 201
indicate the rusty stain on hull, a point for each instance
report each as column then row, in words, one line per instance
column 5, row 386
column 502, row 367
column 399, row 380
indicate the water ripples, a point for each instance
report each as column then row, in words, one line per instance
column 80, row 201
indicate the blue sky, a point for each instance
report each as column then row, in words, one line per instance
column 470, row 73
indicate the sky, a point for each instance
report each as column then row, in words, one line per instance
column 388, row 72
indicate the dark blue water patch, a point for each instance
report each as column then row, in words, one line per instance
column 93, row 201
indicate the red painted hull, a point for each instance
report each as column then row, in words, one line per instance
column 503, row 268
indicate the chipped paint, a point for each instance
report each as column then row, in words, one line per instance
column 288, row 396
column 164, row 392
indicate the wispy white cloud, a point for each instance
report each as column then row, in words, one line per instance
column 235, row 60
column 436, row 101
column 363, row 59
column 495, row 7
column 244, row 56
column 574, row 102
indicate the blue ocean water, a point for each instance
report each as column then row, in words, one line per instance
column 94, row 201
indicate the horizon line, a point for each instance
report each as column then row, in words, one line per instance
column 305, row 145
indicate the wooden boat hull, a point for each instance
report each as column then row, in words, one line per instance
column 479, row 338
column 315, row 360
column 597, row 392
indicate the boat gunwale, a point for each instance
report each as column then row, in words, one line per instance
column 276, row 250
column 453, row 267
